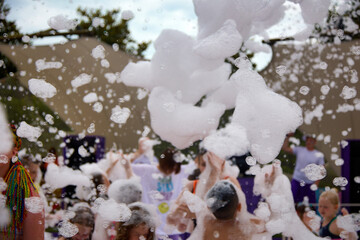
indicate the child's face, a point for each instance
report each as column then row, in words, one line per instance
column 139, row 232
column 201, row 163
column 84, row 232
column 33, row 170
column 326, row 208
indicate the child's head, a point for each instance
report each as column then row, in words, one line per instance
column 167, row 163
column 329, row 203
column 141, row 224
column 32, row 166
column 222, row 200
column 84, row 220
column 306, row 214
column 125, row 191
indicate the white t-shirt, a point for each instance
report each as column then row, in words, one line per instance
column 305, row 157
column 143, row 159
column 160, row 190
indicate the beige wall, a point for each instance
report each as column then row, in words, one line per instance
column 75, row 57
column 313, row 66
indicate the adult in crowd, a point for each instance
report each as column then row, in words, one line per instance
column 300, row 184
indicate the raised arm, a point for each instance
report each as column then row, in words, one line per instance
column 211, row 174
column 113, row 162
column 123, row 160
column 34, row 226
column 141, row 149
column 286, row 146
column 347, row 235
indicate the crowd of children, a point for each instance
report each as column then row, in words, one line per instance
column 158, row 199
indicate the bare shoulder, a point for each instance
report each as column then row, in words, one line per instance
column 334, row 228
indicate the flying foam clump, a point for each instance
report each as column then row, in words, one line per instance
column 190, row 84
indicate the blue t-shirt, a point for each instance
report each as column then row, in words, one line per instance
column 305, row 157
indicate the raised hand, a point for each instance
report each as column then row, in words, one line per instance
column 215, row 161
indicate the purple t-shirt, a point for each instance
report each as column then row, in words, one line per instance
column 305, row 157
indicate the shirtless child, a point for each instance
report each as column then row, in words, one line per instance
column 213, row 222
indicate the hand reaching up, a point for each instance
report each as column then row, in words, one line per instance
column 215, row 162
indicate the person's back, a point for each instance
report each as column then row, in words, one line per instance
column 224, row 229
column 228, row 218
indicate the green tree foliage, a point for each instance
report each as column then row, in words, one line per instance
column 109, row 29
column 7, row 28
column 342, row 23
column 21, row 105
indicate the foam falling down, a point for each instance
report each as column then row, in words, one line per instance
column 41, row 65
column 314, row 172
column 228, row 141
column 29, row 132
column 184, row 69
column 61, row 22
column 110, row 210
column 34, row 204
column 59, row 177
column 120, row 115
column 81, row 80
column 67, row 229
column 41, row 88
column 340, row 181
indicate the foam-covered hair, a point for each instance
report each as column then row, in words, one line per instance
column 222, row 200
column 125, row 191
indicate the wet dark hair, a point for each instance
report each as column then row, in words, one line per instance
column 225, row 200
column 84, row 216
column 301, row 209
column 196, row 173
column 136, row 219
column 97, row 179
column 167, row 162
column 27, row 159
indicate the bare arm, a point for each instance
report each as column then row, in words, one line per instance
column 211, row 174
column 127, row 167
column 34, row 226
column 180, row 214
column 141, row 148
column 349, row 235
column 113, row 161
column 286, row 146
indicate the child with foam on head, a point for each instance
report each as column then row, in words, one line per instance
column 221, row 212
column 83, row 222
column 122, row 191
column 141, row 225
column 215, row 169
column 308, row 216
column 328, row 208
